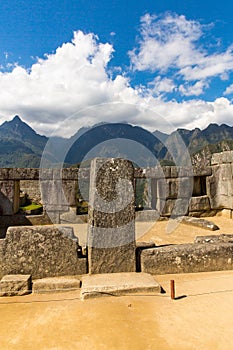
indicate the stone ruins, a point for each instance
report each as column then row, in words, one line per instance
column 39, row 251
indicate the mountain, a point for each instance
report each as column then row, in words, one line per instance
column 115, row 140
column 201, row 144
column 160, row 135
column 21, row 146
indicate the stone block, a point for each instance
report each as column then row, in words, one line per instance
column 70, row 173
column 203, row 214
column 225, row 188
column 56, row 284
column 212, row 181
column 83, row 174
column 162, row 190
column 11, row 285
column 206, row 224
column 53, row 195
column 145, row 245
column 167, row 171
column 153, row 172
column 111, row 232
column 118, row 284
column 147, row 215
column 160, row 205
column 23, row 174
column 226, row 172
column 223, row 238
column 41, row 251
column 189, row 171
column 197, row 171
column 201, row 203
column 216, row 159
column 156, row 172
column 187, row 258
column 70, row 188
column 174, row 188
column 9, row 197
column 175, row 207
column 222, row 157
column 32, row 189
column 220, row 187
column 4, row 173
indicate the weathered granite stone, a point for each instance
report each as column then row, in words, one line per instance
column 41, row 251
column 147, row 215
column 111, row 233
column 203, row 214
column 70, row 173
column 157, row 172
column 145, row 245
column 216, row 159
column 56, row 284
column 11, row 285
column 4, row 173
column 207, row 239
column 23, row 174
column 175, row 188
column 220, row 187
column 9, row 197
column 175, row 207
column 214, row 239
column 154, row 172
column 118, row 284
column 226, row 172
column 222, row 157
column 32, row 189
column 187, row 258
column 206, row 224
column 201, row 203
column 53, row 196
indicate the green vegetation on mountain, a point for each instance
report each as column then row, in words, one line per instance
column 21, row 146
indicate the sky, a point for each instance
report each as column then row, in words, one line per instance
column 160, row 64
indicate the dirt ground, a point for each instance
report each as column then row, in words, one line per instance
column 200, row 318
column 183, row 233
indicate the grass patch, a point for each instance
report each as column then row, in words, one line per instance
column 32, row 206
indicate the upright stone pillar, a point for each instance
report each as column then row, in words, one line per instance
column 9, row 197
column 57, row 195
column 111, row 230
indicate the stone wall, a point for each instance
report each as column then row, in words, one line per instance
column 179, row 190
column 220, row 183
column 208, row 253
column 44, row 251
column 32, row 189
column 41, row 251
column 174, row 190
column 9, row 197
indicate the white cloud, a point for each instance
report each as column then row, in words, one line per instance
column 171, row 44
column 160, row 85
column 73, row 88
column 229, row 90
column 72, row 79
column 193, row 90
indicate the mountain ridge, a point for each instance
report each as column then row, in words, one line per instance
column 22, row 146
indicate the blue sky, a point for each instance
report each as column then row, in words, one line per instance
column 158, row 64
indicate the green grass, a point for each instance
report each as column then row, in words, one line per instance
column 32, row 206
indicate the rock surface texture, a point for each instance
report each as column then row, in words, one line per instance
column 111, row 233
column 11, row 285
